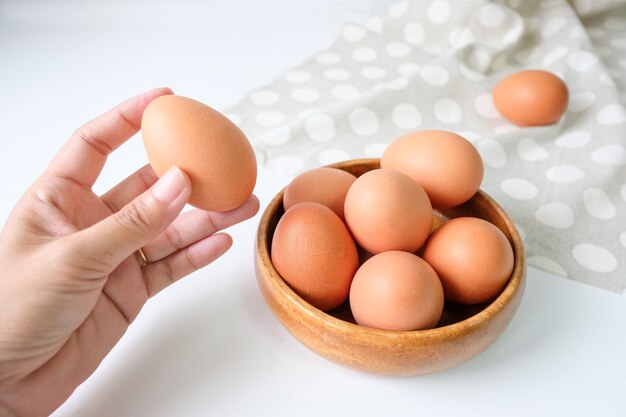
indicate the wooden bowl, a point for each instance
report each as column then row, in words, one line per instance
column 462, row 333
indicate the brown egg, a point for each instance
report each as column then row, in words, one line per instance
column 445, row 164
column 313, row 252
column 531, row 98
column 472, row 257
column 327, row 186
column 386, row 210
column 396, row 291
column 214, row 153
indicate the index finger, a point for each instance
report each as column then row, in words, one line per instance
column 82, row 157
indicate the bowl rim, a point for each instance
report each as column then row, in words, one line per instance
column 460, row 328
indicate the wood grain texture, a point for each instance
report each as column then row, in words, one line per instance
column 462, row 333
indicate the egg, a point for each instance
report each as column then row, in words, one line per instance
column 386, row 210
column 445, row 164
column 213, row 152
column 472, row 257
column 313, row 252
column 531, row 98
column 396, row 290
column 327, row 186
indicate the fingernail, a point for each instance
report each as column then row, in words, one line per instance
column 169, row 186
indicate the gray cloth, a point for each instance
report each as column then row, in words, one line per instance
column 432, row 65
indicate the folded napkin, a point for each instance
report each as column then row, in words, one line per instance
column 432, row 65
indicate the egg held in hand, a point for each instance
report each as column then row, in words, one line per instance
column 472, row 257
column 313, row 252
column 396, row 290
column 213, row 152
column 386, row 210
column 531, row 98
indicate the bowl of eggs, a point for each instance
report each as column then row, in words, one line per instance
column 392, row 266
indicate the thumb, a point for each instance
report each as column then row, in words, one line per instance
column 115, row 238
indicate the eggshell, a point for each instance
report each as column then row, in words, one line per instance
column 327, row 186
column 396, row 291
column 531, row 98
column 212, row 151
column 472, row 257
column 386, row 210
column 313, row 252
column 445, row 164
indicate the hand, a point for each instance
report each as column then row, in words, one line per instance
column 72, row 280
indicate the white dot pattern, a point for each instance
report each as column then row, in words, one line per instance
column 553, row 27
column 331, row 156
column 484, row 106
column 432, row 64
column 414, row 33
column 492, row 153
column 337, row 74
column 581, row 101
column 459, row 37
column 305, row 95
column 574, row 139
column 554, row 56
column 398, row 49
column 612, row 114
column 558, row 215
column 364, row 54
column 375, row 149
column 594, row 257
column 598, row 204
column 448, row 111
column 612, row 154
column 547, row 264
column 373, row 73
column 530, row 150
column 439, row 12
column 434, row 75
column 344, row 92
column 581, row 61
column 519, row 189
column 320, row 127
column 406, row 116
column 276, row 137
column 491, row 16
column 363, row 121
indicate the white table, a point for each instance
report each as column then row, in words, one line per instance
column 209, row 345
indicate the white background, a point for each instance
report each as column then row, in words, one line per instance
column 209, row 345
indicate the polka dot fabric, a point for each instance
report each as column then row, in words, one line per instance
column 432, row 65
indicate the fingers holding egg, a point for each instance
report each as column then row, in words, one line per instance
column 212, row 150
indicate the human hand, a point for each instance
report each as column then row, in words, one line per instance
column 72, row 280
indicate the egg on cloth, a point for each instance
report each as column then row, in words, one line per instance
column 212, row 150
column 313, row 252
column 531, row 98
